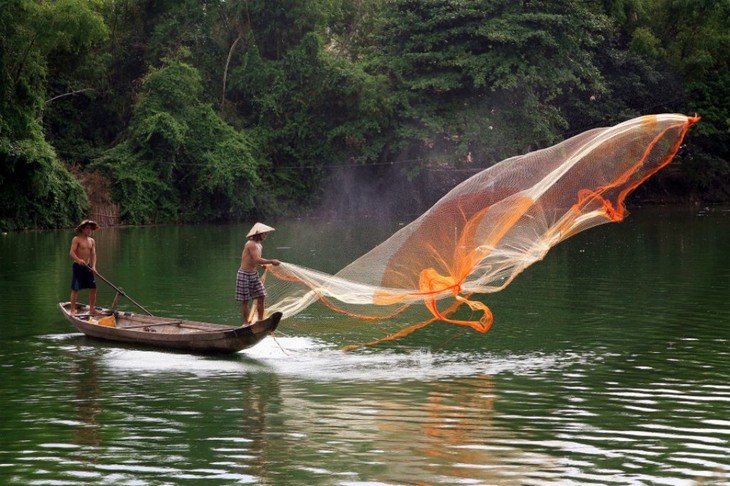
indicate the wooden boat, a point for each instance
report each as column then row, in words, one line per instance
column 160, row 332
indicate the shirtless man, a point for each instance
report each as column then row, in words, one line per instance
column 83, row 253
column 248, row 283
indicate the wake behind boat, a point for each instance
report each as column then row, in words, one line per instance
column 161, row 332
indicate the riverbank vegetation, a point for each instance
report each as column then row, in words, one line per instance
column 189, row 110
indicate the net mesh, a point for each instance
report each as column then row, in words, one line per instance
column 489, row 228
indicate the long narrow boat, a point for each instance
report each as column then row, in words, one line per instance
column 160, row 332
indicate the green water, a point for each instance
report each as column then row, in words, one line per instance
column 608, row 363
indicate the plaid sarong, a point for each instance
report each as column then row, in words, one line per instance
column 249, row 286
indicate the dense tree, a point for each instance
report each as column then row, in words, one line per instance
column 481, row 80
column 179, row 160
column 311, row 110
column 37, row 189
column 219, row 110
column 672, row 55
column 694, row 39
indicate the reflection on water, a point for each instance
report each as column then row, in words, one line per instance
column 607, row 364
column 300, row 411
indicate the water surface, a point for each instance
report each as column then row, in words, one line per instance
column 608, row 363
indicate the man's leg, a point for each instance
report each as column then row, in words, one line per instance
column 92, row 301
column 74, row 296
column 260, row 308
column 244, row 312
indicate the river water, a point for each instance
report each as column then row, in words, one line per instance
column 608, row 363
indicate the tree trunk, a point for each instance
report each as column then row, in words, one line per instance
column 225, row 71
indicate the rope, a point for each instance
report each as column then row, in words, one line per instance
column 279, row 344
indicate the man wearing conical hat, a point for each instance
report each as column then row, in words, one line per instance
column 83, row 253
column 248, row 283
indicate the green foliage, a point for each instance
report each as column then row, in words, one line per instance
column 180, row 161
column 312, row 109
column 708, row 174
column 645, row 43
column 483, row 80
column 686, row 43
column 68, row 25
column 37, row 191
column 143, row 196
column 23, row 69
column 280, row 26
column 352, row 27
column 223, row 110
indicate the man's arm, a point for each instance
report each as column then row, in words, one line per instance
column 92, row 258
column 257, row 258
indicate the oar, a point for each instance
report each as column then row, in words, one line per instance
column 122, row 292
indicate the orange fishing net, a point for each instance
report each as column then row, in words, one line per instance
column 489, row 228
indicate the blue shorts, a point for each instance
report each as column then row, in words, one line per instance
column 82, row 277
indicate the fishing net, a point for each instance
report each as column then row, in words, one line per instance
column 489, row 228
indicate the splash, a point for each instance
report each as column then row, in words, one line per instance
column 489, row 228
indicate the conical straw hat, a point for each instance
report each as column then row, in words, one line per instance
column 87, row 222
column 259, row 228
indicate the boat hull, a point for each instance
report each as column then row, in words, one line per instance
column 167, row 333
